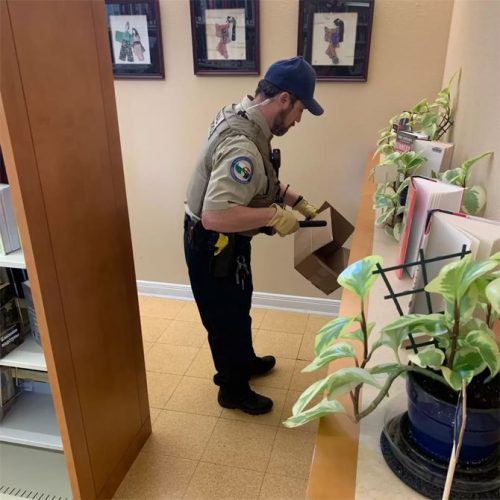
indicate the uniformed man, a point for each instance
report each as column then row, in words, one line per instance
column 234, row 194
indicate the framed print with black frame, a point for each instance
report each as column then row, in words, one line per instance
column 225, row 37
column 134, row 30
column 334, row 36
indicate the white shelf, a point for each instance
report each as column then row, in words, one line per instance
column 28, row 355
column 31, row 421
column 14, row 259
column 38, row 473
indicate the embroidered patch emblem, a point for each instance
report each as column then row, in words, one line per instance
column 242, row 170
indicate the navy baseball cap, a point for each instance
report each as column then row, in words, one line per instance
column 297, row 77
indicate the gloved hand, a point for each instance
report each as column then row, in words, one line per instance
column 305, row 208
column 283, row 221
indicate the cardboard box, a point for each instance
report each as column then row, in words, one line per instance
column 318, row 252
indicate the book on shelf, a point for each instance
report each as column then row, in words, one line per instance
column 405, row 140
column 446, row 234
column 423, row 195
column 33, row 322
column 438, row 156
column 7, row 389
column 9, row 236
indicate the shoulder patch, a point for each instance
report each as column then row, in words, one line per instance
column 242, row 169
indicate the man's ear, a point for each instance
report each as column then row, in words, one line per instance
column 284, row 97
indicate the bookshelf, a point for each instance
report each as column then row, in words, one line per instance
column 60, row 142
column 14, row 259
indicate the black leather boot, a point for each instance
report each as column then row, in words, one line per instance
column 263, row 365
column 250, row 402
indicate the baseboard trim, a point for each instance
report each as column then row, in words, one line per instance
column 295, row 303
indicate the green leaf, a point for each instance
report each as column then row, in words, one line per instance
column 388, row 368
column 358, row 333
column 384, row 217
column 486, row 347
column 454, row 379
column 467, row 165
column 454, row 279
column 330, row 332
column 468, row 360
column 383, row 201
column 358, row 277
column 336, row 351
column 324, row 407
column 454, row 176
column 474, row 199
column 397, row 231
column 492, row 292
column 334, row 384
column 430, row 357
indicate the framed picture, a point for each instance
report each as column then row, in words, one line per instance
column 135, row 38
column 225, row 37
column 334, row 36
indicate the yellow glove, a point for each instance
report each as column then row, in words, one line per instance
column 305, row 208
column 283, row 221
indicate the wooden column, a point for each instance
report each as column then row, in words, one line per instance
column 59, row 137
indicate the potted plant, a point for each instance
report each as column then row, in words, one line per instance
column 431, row 120
column 464, row 355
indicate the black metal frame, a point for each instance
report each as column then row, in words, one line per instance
column 204, row 66
column 422, row 261
column 358, row 72
column 151, row 9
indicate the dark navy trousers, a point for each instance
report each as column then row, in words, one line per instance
column 224, row 306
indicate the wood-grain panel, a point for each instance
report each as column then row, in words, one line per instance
column 61, row 133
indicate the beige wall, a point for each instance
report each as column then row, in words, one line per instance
column 163, row 124
column 474, row 46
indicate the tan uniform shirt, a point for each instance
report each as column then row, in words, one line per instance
column 238, row 173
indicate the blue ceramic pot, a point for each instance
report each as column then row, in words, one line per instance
column 431, row 425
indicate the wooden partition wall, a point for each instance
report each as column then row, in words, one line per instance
column 59, row 137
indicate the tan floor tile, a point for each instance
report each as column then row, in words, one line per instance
column 153, row 327
column 211, row 481
column 300, row 381
column 182, row 435
column 292, row 453
column 306, row 351
column 153, row 413
column 284, row 321
column 290, row 400
column 195, row 395
column 202, row 365
column 280, row 377
column 258, row 315
column 240, row 444
column 272, row 418
column 160, row 387
column 166, row 358
column 155, row 476
column 316, row 321
column 187, row 333
column 277, row 487
column 160, row 308
column 189, row 312
column 280, row 344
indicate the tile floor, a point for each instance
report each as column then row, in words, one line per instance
column 199, row 450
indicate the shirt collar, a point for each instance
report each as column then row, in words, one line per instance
column 256, row 116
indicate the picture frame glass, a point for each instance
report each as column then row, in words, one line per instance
column 225, row 36
column 134, row 31
column 334, row 36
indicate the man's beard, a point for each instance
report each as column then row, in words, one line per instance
column 279, row 127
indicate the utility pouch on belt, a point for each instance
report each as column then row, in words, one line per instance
column 222, row 262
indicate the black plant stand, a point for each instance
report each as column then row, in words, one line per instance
column 427, row 475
